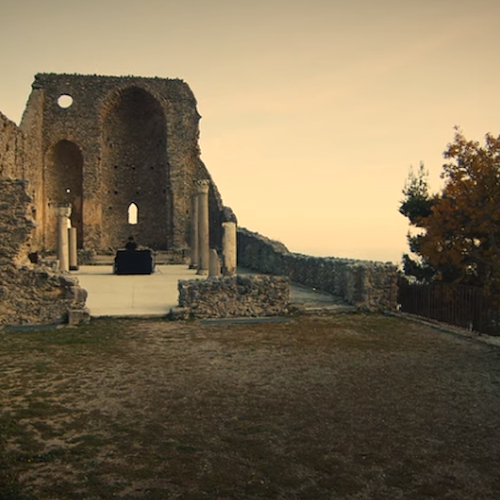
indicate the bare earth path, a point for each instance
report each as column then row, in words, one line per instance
column 354, row 407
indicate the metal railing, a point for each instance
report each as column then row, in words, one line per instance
column 460, row 305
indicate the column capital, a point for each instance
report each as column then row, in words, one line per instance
column 63, row 209
column 202, row 186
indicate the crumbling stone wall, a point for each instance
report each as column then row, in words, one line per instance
column 11, row 141
column 236, row 296
column 372, row 285
column 30, row 294
column 121, row 141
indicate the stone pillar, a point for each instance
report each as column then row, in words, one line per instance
column 63, row 214
column 203, row 228
column 73, row 249
column 229, row 248
column 214, row 268
column 194, row 232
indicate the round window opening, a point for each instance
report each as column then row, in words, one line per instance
column 65, row 101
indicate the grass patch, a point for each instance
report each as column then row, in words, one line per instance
column 354, row 407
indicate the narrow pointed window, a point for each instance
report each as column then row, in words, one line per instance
column 133, row 213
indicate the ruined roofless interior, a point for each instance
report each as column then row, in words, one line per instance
column 123, row 151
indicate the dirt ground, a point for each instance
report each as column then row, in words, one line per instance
column 351, row 407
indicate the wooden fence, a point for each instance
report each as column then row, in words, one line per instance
column 460, row 305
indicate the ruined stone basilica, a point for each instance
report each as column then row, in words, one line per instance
column 122, row 151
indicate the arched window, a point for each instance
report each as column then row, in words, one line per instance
column 133, row 213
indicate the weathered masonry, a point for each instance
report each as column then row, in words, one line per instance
column 122, row 151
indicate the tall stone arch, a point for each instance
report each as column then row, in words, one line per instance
column 135, row 170
column 63, row 182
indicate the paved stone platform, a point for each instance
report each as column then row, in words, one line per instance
column 156, row 294
column 132, row 295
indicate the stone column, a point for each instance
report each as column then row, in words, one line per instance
column 194, row 232
column 229, row 248
column 63, row 214
column 203, row 228
column 214, row 269
column 73, row 249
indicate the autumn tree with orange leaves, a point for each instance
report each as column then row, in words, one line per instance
column 459, row 239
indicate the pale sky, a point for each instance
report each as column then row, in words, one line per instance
column 313, row 110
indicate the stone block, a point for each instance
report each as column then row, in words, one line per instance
column 78, row 316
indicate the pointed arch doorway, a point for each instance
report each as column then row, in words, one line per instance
column 135, row 170
column 64, row 184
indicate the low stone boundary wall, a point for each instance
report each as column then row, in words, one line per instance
column 366, row 284
column 235, row 296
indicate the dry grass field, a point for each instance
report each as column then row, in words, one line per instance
column 351, row 407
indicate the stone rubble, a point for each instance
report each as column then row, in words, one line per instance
column 31, row 294
column 235, row 296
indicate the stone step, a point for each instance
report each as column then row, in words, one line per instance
column 161, row 258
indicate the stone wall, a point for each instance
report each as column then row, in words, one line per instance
column 236, row 296
column 121, row 141
column 30, row 294
column 11, row 140
column 367, row 284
